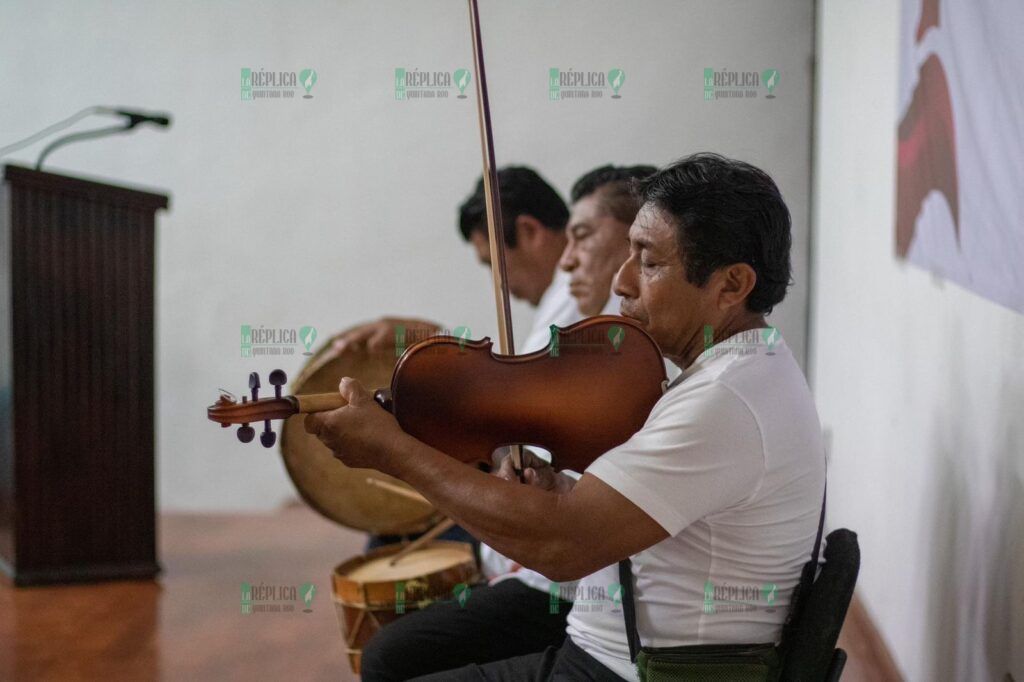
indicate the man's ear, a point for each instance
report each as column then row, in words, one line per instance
column 528, row 230
column 734, row 284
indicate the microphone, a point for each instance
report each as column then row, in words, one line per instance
column 133, row 117
column 137, row 117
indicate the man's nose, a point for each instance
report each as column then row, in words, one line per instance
column 568, row 260
column 624, row 282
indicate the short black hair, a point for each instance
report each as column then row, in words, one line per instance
column 523, row 192
column 615, row 184
column 726, row 211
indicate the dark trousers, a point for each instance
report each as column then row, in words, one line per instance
column 494, row 623
column 567, row 663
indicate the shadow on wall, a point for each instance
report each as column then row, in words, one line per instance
column 1004, row 610
column 975, row 585
column 944, row 588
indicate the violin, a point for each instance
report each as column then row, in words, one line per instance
column 590, row 390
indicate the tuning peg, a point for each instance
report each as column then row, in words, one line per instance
column 254, row 384
column 268, row 437
column 246, row 433
column 277, row 379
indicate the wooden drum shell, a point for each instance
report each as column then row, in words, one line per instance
column 364, row 604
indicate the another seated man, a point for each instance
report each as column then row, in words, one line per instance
column 604, row 205
column 721, row 486
column 534, row 218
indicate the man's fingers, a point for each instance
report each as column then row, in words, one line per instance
column 354, row 339
column 381, row 339
column 345, row 343
column 353, row 392
column 380, row 335
column 313, row 423
column 505, row 470
column 358, row 336
column 542, row 478
column 531, row 459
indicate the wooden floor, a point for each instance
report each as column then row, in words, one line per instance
column 189, row 625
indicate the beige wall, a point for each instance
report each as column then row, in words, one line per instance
column 333, row 210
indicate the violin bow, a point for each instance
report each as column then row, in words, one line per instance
column 492, row 198
column 492, row 202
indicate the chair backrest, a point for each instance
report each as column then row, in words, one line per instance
column 814, row 636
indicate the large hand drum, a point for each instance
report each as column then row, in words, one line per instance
column 341, row 493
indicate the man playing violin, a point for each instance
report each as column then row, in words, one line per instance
column 514, row 614
column 721, row 486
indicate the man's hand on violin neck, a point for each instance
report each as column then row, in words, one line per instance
column 383, row 335
column 361, row 434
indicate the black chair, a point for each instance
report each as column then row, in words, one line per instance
column 811, row 654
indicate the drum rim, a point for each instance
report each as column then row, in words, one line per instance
column 388, row 550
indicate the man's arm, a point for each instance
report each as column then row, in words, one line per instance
column 380, row 335
column 563, row 535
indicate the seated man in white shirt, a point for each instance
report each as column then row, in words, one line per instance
column 722, row 485
column 534, row 217
column 518, row 612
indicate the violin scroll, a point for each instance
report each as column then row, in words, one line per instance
column 227, row 410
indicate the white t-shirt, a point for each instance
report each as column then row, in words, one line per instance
column 730, row 463
column 556, row 306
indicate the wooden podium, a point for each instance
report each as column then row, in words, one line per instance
column 76, row 379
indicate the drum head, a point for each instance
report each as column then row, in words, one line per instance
column 427, row 573
column 341, row 493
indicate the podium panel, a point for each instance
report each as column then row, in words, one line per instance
column 77, row 498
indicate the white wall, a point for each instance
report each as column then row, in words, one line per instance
column 337, row 209
column 920, row 383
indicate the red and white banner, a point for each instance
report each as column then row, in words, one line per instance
column 960, row 175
